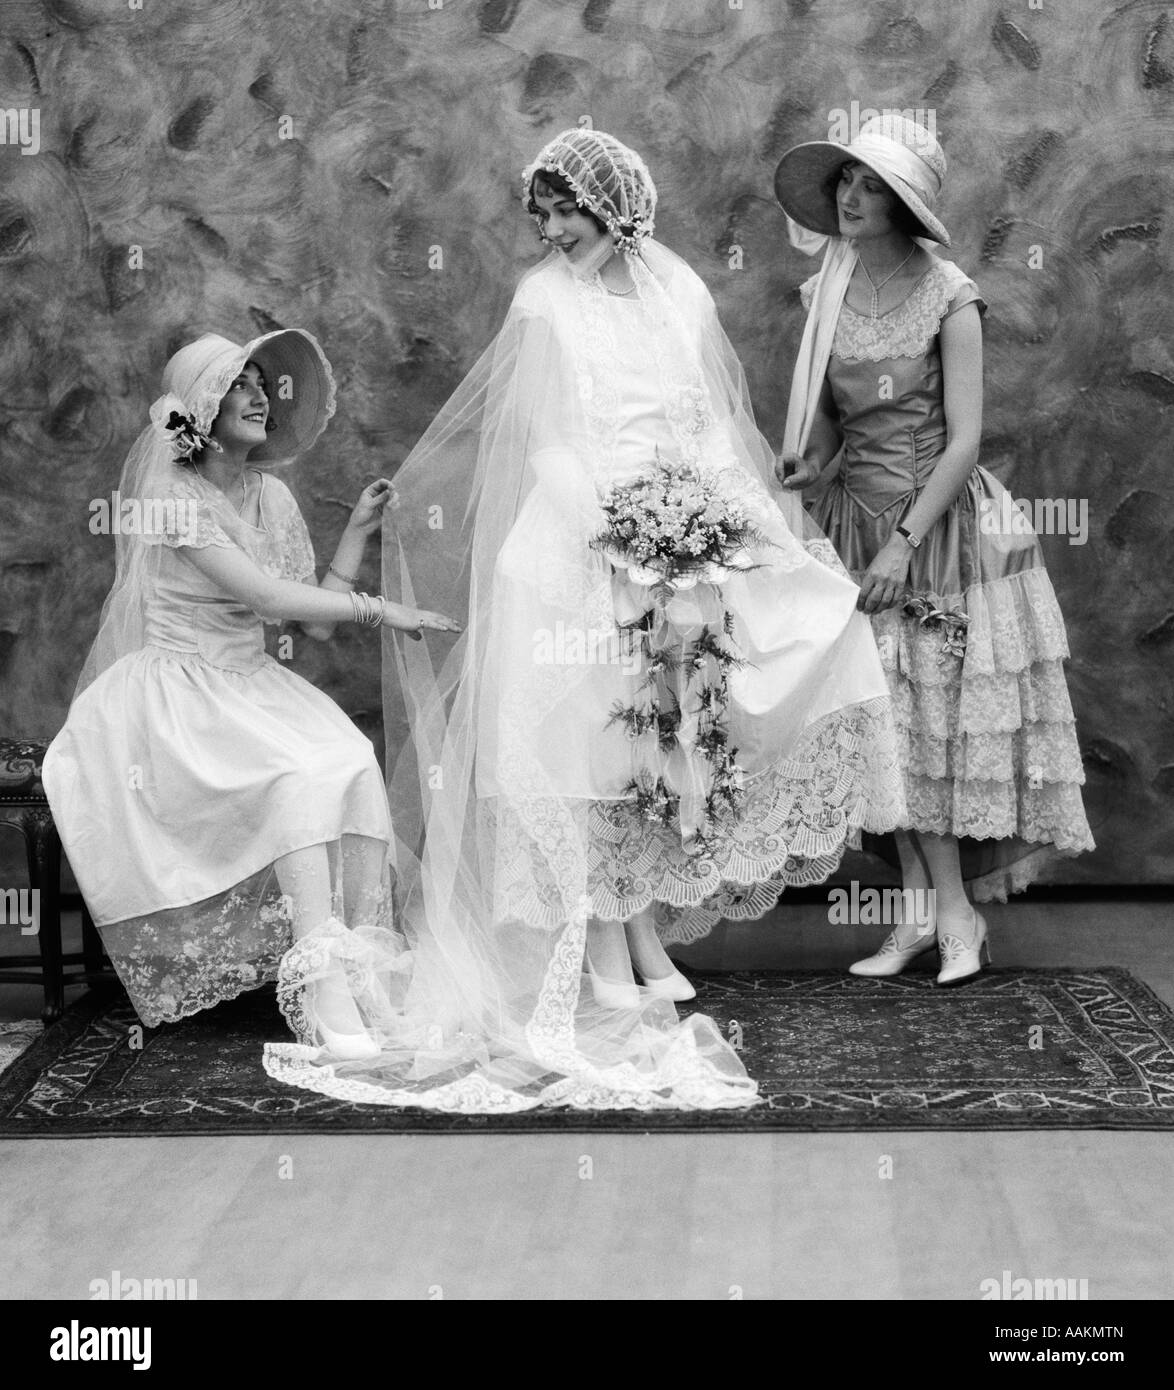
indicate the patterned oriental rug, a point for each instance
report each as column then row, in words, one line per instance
column 1016, row 1049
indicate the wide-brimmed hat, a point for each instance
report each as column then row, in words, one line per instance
column 298, row 379
column 898, row 150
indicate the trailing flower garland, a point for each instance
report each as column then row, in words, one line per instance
column 670, row 531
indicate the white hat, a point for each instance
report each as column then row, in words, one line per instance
column 201, row 373
column 902, row 153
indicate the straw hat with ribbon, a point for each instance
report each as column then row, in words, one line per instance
column 898, row 150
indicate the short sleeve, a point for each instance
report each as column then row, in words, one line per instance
column 807, row 291
column 293, row 550
column 181, row 517
column 959, row 291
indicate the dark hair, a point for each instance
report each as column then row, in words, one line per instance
column 903, row 218
column 197, row 454
column 552, row 184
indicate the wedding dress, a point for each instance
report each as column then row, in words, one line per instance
column 516, row 832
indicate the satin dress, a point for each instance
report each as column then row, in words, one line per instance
column 986, row 729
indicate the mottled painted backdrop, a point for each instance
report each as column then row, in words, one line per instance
column 161, row 127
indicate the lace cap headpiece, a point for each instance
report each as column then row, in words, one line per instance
column 608, row 178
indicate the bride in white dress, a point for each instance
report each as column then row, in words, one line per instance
column 599, row 767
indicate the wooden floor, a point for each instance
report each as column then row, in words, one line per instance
column 669, row 1216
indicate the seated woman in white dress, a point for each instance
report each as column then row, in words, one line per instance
column 213, row 804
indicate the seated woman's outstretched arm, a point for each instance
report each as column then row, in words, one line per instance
column 283, row 599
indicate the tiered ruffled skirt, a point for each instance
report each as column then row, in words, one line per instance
column 987, row 735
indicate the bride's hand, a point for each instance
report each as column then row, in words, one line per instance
column 416, row 621
column 368, row 510
column 793, row 471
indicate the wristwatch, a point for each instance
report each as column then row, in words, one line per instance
column 913, row 540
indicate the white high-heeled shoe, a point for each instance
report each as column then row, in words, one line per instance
column 962, row 960
column 611, row 994
column 345, row 1047
column 675, row 987
column 892, row 957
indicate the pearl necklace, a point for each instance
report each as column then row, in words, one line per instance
column 876, row 289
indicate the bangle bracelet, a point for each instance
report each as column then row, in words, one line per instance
column 346, row 578
column 369, row 609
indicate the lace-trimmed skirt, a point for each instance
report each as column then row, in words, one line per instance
column 797, row 820
column 985, row 724
column 175, row 785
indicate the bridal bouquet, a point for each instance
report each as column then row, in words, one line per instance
column 672, row 526
column 671, row 530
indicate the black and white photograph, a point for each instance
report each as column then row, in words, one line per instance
column 587, row 664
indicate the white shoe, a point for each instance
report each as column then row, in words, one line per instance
column 346, row 1047
column 675, row 987
column 962, row 960
column 892, row 957
column 611, row 994
column 332, row 994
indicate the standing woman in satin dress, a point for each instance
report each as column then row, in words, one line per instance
column 889, row 382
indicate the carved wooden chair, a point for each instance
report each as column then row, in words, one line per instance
column 24, row 806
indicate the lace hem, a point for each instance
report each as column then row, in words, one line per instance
column 994, row 887
column 795, row 822
column 684, row 1084
column 1034, row 754
column 684, row 1069
column 1051, row 814
column 218, row 992
column 985, row 705
column 1014, row 623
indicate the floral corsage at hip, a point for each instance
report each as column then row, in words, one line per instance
column 676, row 537
column 933, row 616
